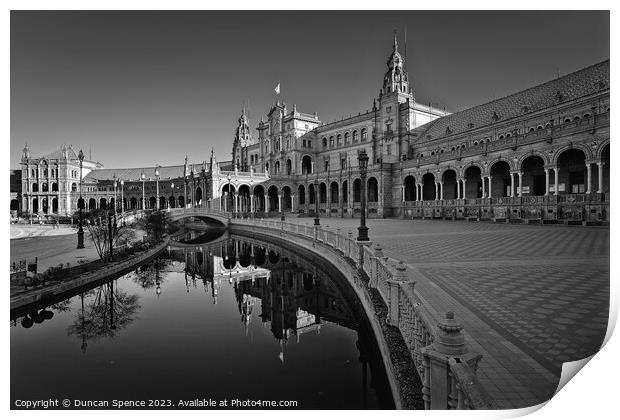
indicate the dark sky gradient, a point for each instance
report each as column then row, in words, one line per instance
column 142, row 88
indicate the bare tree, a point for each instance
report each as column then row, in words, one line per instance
column 109, row 235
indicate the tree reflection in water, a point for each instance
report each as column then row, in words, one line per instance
column 108, row 311
column 149, row 275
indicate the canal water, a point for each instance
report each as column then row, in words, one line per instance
column 232, row 318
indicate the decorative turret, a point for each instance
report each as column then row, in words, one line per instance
column 185, row 167
column 396, row 78
column 213, row 167
column 25, row 153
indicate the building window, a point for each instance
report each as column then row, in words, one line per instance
column 364, row 134
column 343, row 163
column 354, row 136
column 326, row 163
column 389, row 149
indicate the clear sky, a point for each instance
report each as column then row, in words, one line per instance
column 140, row 88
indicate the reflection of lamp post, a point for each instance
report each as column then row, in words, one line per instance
column 157, row 185
column 317, row 222
column 143, row 177
column 228, row 194
column 80, row 233
column 362, row 158
column 252, row 198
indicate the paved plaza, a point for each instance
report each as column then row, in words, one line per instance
column 530, row 297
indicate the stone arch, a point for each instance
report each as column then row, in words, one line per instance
column 428, row 186
column 301, row 195
column 322, row 193
column 198, row 197
column 289, row 167
column 92, row 204
column 103, row 203
column 311, row 193
column 372, row 190
column 501, row 180
column 152, row 202
column 605, row 158
column 357, row 190
column 410, row 189
column 572, row 170
column 244, row 198
column 521, row 158
column 579, row 146
column 533, row 168
column 599, row 151
column 272, row 195
column 306, row 164
column 510, row 162
column 449, row 179
column 333, row 192
column 345, row 191
column 133, row 203
column 287, row 198
column 55, row 205
column 259, row 198
column 469, row 165
column 473, row 181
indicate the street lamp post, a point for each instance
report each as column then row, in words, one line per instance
column 143, row 178
column 317, row 221
column 115, row 197
column 122, row 197
column 157, row 186
column 363, row 166
column 123, row 201
column 172, row 192
column 80, row 233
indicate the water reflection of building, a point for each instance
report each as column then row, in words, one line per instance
column 295, row 297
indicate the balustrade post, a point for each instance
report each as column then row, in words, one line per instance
column 395, row 285
column 449, row 342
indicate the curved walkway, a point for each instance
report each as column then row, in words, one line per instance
column 530, row 297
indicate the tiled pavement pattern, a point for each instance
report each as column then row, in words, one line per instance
column 530, row 297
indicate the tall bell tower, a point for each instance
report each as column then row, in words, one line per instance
column 243, row 137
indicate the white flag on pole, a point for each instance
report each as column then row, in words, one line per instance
column 277, row 89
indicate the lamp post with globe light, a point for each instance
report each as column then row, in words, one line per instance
column 363, row 167
column 157, row 186
column 143, row 178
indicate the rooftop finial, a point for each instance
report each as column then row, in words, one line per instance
column 395, row 42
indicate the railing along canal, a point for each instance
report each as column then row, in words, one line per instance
column 437, row 347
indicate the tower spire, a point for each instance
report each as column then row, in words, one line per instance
column 395, row 46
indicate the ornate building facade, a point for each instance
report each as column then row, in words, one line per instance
column 537, row 155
